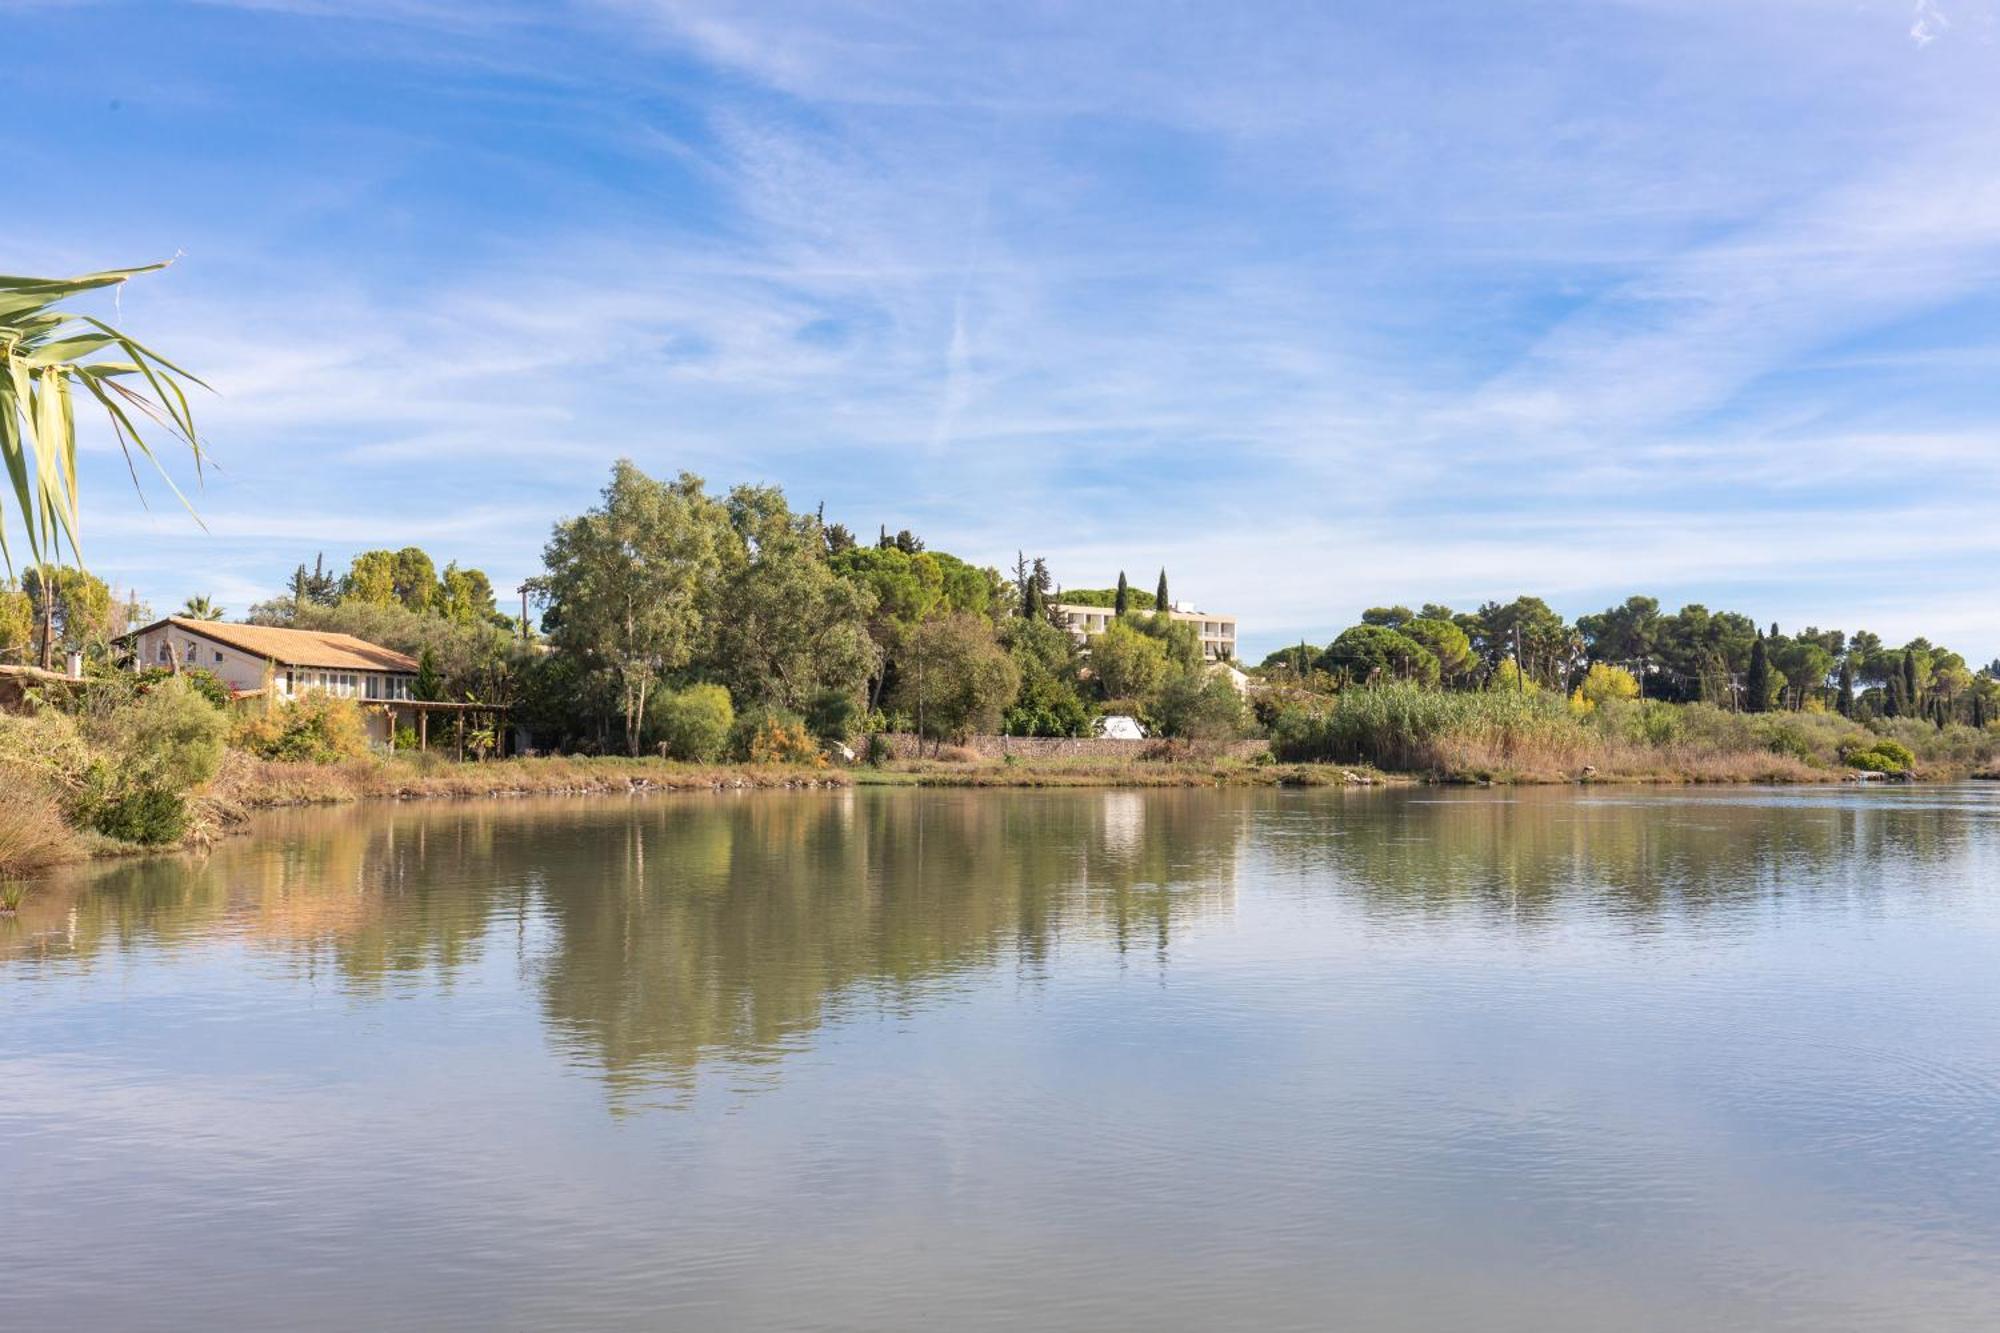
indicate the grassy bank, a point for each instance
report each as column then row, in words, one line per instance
column 1188, row 771
column 1507, row 737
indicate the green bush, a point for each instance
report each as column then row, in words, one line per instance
column 204, row 682
column 145, row 815
column 695, row 723
column 878, row 750
column 833, row 715
column 1882, row 755
column 168, row 739
column 1198, row 705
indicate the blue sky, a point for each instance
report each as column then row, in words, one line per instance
column 1319, row 306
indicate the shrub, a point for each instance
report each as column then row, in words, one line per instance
column 1883, row 755
column 769, row 735
column 169, row 739
column 203, row 681
column 833, row 715
column 779, row 742
column 148, row 815
column 879, row 751
column 694, row 723
column 316, row 728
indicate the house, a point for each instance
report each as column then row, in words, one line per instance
column 285, row 664
column 1217, row 632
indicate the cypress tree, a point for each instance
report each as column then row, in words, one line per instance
column 1979, row 712
column 1845, row 703
column 1160, row 602
column 1758, row 684
column 1912, row 701
column 1124, row 597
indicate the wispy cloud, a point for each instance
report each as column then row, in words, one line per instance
column 1316, row 306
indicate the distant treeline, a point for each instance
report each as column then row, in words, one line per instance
column 1692, row 655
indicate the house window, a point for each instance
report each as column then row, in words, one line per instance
column 189, row 655
column 164, row 653
column 218, row 657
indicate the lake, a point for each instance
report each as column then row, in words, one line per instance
column 1387, row 1059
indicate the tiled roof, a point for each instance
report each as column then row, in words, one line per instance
column 296, row 647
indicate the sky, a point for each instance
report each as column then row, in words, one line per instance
column 1317, row 306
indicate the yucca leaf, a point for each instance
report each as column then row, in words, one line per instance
column 70, row 349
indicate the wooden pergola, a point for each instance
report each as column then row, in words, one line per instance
column 423, row 708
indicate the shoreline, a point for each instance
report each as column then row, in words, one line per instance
column 247, row 786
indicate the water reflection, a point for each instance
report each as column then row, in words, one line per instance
column 661, row 934
column 1430, row 1059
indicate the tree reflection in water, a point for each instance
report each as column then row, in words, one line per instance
column 661, row 935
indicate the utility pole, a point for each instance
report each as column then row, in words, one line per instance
column 524, row 615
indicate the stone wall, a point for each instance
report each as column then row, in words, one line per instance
column 1064, row 747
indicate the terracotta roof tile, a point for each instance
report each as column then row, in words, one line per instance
column 296, row 647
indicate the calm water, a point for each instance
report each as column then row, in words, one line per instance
column 1386, row 1060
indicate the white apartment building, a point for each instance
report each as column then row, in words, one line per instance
column 1218, row 632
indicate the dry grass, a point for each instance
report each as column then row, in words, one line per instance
column 248, row 783
column 33, row 833
column 1105, row 772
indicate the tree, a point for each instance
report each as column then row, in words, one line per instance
column 464, row 596
column 1160, row 602
column 1625, row 635
column 415, row 579
column 627, row 581
column 1050, row 700
column 429, row 685
column 17, row 623
column 1446, row 642
column 1844, row 701
column 50, row 353
column 1365, row 654
column 1388, row 617
column 1128, row 663
column 1805, row 663
column 955, row 680
column 317, row 588
column 371, row 578
column 201, row 607
column 786, row 626
column 1757, row 683
column 72, row 609
column 1200, row 705
column 1602, row 684
column 694, row 723
column 1122, row 603
column 1546, row 645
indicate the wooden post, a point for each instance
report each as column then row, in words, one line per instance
column 423, row 730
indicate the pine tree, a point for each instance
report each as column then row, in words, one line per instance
column 1845, row 702
column 1758, row 684
column 1160, row 602
column 1124, row 598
